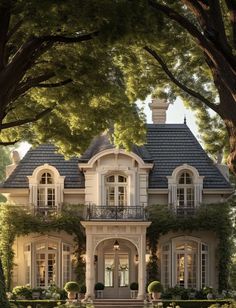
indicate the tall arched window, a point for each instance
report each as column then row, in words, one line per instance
column 116, row 190
column 46, row 191
column 188, row 262
column 185, row 190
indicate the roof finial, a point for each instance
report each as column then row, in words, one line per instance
column 185, row 122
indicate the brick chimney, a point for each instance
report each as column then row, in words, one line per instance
column 158, row 107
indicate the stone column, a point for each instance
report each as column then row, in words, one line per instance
column 142, row 268
column 89, row 276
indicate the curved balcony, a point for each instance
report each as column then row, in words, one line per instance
column 131, row 213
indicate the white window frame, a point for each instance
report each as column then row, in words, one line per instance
column 171, row 254
column 116, row 185
column 197, row 185
column 34, row 184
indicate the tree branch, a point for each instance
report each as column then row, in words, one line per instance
column 210, row 49
column 27, row 120
column 9, row 142
column 4, row 25
column 64, row 39
column 53, row 85
column 177, row 82
column 30, row 83
column 14, row 29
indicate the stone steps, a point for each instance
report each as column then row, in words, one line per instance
column 118, row 303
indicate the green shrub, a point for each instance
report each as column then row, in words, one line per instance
column 22, row 292
column 71, row 286
column 155, row 286
column 98, row 286
column 134, row 286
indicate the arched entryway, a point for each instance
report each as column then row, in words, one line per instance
column 116, row 266
column 126, row 264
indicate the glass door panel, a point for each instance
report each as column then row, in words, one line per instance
column 109, row 270
column 123, row 270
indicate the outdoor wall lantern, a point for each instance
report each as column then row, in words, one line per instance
column 116, row 245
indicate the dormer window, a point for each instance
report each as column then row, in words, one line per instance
column 46, row 191
column 185, row 190
column 116, row 190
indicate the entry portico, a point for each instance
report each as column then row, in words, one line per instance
column 126, row 232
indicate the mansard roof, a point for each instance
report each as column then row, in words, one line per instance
column 167, row 146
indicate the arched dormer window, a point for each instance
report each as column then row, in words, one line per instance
column 116, row 190
column 185, row 189
column 46, row 191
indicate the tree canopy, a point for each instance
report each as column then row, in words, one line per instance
column 75, row 69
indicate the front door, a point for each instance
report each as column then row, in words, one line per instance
column 116, row 274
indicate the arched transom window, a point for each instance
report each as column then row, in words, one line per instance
column 46, row 191
column 185, row 190
column 116, row 190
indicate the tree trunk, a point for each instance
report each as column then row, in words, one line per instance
column 3, row 298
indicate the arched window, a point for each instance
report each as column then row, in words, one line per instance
column 116, row 190
column 185, row 190
column 188, row 262
column 48, row 262
column 46, row 191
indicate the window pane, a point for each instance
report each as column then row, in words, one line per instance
column 109, row 270
column 121, row 179
column 110, row 198
column 111, row 179
column 123, row 270
column 122, row 196
column 180, row 269
column 188, row 178
column 192, row 271
column 41, row 197
column 51, row 268
column 40, row 270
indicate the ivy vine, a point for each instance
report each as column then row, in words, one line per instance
column 18, row 220
column 209, row 217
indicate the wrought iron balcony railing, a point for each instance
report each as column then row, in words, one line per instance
column 130, row 213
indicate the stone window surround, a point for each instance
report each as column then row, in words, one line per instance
column 34, row 180
column 173, row 183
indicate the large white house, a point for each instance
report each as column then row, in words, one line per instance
column 116, row 186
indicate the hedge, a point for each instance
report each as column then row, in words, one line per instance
column 193, row 303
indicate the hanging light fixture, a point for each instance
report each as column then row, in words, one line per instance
column 116, row 245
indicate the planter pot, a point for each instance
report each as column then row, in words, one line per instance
column 71, row 295
column 209, row 296
column 133, row 294
column 81, row 295
column 156, row 295
column 36, row 295
column 99, row 293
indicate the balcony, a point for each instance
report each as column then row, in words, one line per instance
column 127, row 213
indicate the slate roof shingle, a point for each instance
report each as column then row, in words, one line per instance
column 168, row 146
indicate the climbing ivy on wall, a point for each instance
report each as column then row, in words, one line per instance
column 18, row 220
column 211, row 217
